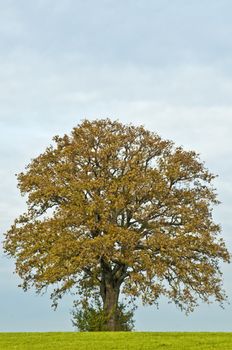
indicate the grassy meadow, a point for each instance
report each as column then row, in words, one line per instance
column 116, row 341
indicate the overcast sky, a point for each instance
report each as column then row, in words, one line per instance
column 161, row 63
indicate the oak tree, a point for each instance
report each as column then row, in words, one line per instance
column 114, row 208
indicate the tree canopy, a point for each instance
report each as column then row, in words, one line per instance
column 114, row 208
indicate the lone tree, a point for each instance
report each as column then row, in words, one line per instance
column 114, row 208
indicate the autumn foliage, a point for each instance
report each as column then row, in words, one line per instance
column 114, row 208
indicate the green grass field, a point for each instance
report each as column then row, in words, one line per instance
column 115, row 341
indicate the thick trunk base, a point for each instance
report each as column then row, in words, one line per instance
column 110, row 306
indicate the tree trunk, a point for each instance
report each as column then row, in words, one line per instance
column 110, row 306
column 111, row 281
